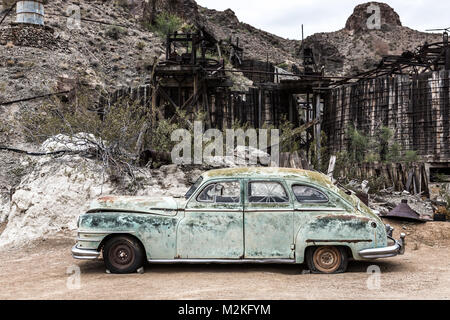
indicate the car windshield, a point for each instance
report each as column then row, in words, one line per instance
column 194, row 188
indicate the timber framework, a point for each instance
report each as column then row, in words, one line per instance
column 409, row 94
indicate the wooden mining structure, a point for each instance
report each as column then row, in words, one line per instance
column 191, row 81
column 408, row 94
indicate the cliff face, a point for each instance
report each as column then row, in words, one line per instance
column 357, row 47
column 186, row 9
column 257, row 44
column 362, row 14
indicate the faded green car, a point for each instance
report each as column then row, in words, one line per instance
column 248, row 215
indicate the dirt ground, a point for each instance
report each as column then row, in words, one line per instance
column 40, row 272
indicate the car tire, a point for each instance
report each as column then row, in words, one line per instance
column 123, row 255
column 327, row 259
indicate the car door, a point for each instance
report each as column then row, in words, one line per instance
column 213, row 224
column 268, row 220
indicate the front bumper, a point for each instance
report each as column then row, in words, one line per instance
column 84, row 254
column 397, row 249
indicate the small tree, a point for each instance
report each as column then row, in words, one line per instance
column 166, row 23
column 358, row 144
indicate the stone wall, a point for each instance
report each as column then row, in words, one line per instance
column 29, row 35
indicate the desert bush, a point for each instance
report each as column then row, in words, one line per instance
column 115, row 32
column 123, row 3
column 358, row 145
column 116, row 135
column 394, row 153
column 140, row 45
column 411, row 156
column 165, row 24
column 385, row 134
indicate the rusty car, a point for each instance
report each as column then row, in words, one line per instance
column 240, row 215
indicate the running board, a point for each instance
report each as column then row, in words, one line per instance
column 223, row 261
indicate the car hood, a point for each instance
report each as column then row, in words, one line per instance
column 157, row 205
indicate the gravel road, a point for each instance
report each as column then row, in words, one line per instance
column 40, row 272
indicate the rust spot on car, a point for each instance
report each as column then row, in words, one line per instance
column 344, row 218
column 107, row 199
column 338, row 241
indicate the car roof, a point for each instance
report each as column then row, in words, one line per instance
column 270, row 172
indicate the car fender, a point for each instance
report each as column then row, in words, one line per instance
column 355, row 232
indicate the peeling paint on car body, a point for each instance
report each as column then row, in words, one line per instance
column 171, row 229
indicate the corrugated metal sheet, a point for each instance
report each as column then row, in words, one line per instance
column 30, row 12
column 404, row 212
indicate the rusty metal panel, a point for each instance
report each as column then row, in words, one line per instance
column 136, row 204
column 404, row 212
column 157, row 233
column 268, row 221
column 211, row 229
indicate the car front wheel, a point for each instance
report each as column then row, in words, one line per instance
column 327, row 259
column 123, row 255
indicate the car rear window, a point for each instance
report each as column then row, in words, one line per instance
column 307, row 194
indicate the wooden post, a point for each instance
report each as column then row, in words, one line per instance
column 260, row 107
column 331, row 166
column 291, row 111
column 318, row 129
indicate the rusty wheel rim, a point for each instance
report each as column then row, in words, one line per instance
column 121, row 255
column 327, row 259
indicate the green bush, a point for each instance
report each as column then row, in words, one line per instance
column 358, row 145
column 411, row 156
column 385, row 134
column 115, row 32
column 166, row 23
column 140, row 45
column 394, row 153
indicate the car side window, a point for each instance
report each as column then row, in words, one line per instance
column 267, row 192
column 221, row 192
column 306, row 194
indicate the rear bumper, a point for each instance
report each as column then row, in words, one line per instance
column 398, row 248
column 84, row 254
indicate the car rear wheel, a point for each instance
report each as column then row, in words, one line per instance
column 327, row 259
column 123, row 255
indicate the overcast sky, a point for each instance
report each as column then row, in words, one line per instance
column 285, row 17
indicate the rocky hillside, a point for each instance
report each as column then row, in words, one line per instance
column 110, row 48
column 42, row 60
column 257, row 44
column 357, row 48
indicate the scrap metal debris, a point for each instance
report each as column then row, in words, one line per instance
column 404, row 212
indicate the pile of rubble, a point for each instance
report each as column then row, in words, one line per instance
column 398, row 204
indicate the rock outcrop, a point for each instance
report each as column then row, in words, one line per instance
column 361, row 17
column 50, row 198
column 358, row 47
column 258, row 44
